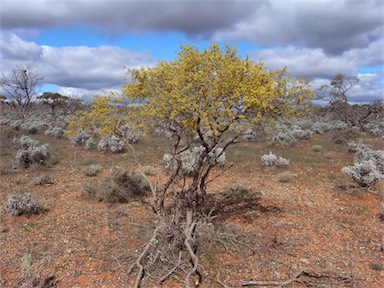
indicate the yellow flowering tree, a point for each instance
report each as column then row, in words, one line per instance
column 208, row 98
column 205, row 101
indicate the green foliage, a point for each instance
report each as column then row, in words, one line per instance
column 92, row 170
column 42, row 180
column 286, row 177
column 121, row 187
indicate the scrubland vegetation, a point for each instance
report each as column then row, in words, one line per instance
column 223, row 175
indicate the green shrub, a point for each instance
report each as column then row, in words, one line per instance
column 92, row 170
column 42, row 180
column 239, row 189
column 120, row 187
column 286, row 177
column 317, row 148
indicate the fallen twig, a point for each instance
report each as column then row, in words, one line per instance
column 300, row 275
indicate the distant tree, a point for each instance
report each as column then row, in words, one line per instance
column 2, row 98
column 53, row 100
column 21, row 86
column 335, row 93
column 73, row 104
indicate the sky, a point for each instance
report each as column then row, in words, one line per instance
column 83, row 47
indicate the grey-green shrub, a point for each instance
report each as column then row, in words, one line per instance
column 30, row 152
column 111, row 143
column 29, row 127
column 92, row 170
column 271, row 159
column 190, row 158
column 56, row 132
column 365, row 173
column 80, row 138
column 131, row 135
column 368, row 166
column 90, row 144
column 23, row 204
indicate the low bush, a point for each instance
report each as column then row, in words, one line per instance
column 30, row 152
column 317, row 148
column 285, row 177
column 132, row 136
column 23, row 204
column 92, row 170
column 42, row 180
column 111, row 143
column 121, row 187
column 239, row 189
column 365, row 173
column 190, row 158
column 56, row 132
column 80, row 138
column 271, row 159
column 368, row 166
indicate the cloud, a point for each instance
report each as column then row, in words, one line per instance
column 194, row 18
column 316, row 63
column 333, row 26
column 79, row 67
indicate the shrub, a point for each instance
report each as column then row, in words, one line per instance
column 317, row 148
column 368, row 166
column 42, row 180
column 111, row 143
column 31, row 152
column 301, row 134
column 80, row 138
column 29, row 128
column 239, row 189
column 282, row 139
column 250, row 135
column 339, row 140
column 365, row 173
column 376, row 156
column 190, row 159
column 286, row 177
column 90, row 144
column 131, row 135
column 321, row 127
column 92, row 170
column 268, row 159
column 56, row 132
column 23, row 204
column 282, row 162
column 355, row 147
column 121, row 187
column 271, row 159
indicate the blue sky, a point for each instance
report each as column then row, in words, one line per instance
column 81, row 47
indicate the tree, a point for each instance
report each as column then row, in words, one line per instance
column 21, row 85
column 205, row 101
column 53, row 100
column 353, row 115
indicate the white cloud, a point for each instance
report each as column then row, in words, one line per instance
column 84, row 68
column 316, row 63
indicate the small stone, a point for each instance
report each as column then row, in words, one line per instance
column 303, row 260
